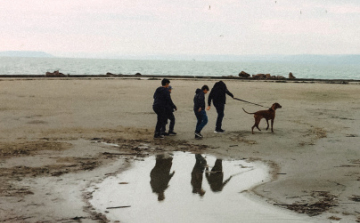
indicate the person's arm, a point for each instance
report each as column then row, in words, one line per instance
column 167, row 98
column 201, row 99
column 155, row 97
column 173, row 106
column 196, row 103
column 211, row 95
column 226, row 181
column 172, row 174
column 229, row 93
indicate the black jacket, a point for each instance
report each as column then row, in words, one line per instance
column 199, row 100
column 218, row 92
column 162, row 97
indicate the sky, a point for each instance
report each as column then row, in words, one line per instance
column 180, row 27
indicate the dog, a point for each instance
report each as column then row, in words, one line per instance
column 267, row 114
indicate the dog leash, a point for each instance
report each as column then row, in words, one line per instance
column 248, row 102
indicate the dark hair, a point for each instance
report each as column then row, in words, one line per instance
column 205, row 87
column 165, row 81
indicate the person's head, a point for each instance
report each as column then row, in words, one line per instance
column 161, row 196
column 202, row 192
column 165, row 82
column 170, row 88
column 205, row 89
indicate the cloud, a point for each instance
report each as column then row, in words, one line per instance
column 179, row 26
column 345, row 9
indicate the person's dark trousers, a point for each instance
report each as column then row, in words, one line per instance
column 202, row 120
column 171, row 117
column 220, row 111
column 161, row 119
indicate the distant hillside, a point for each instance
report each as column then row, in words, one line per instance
column 24, row 54
column 330, row 59
column 301, row 58
column 305, row 58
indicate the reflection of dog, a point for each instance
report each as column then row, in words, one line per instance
column 267, row 114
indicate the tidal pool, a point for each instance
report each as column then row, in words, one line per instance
column 184, row 187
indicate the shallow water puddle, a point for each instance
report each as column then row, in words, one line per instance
column 185, row 187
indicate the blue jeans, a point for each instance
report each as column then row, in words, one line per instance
column 202, row 120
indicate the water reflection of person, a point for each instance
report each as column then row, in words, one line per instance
column 197, row 175
column 216, row 176
column 160, row 175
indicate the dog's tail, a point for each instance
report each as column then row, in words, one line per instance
column 248, row 112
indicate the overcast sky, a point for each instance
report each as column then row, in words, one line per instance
column 145, row 27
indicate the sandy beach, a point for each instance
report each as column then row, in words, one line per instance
column 56, row 136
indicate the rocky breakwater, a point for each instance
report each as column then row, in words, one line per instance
column 54, row 74
column 245, row 75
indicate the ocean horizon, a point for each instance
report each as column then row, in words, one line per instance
column 301, row 67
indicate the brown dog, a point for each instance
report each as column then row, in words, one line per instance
column 267, row 114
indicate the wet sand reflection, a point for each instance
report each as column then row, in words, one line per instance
column 215, row 177
column 160, row 175
column 181, row 197
column 197, row 175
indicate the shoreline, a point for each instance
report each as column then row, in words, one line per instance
column 50, row 128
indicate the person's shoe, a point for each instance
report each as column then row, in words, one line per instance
column 197, row 137
column 219, row 131
column 159, row 137
column 197, row 134
column 166, row 134
column 172, row 133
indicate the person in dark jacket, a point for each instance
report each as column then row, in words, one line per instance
column 197, row 175
column 199, row 110
column 160, row 175
column 218, row 96
column 216, row 176
column 169, row 110
column 161, row 100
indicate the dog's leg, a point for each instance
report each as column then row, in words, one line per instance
column 272, row 124
column 267, row 122
column 257, row 122
column 252, row 128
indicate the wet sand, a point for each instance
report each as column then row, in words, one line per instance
column 52, row 134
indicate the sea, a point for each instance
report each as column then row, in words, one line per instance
column 307, row 69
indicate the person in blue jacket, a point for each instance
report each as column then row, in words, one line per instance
column 199, row 110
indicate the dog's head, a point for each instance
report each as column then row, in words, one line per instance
column 276, row 106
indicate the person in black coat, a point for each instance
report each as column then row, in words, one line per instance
column 161, row 100
column 218, row 96
column 215, row 177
